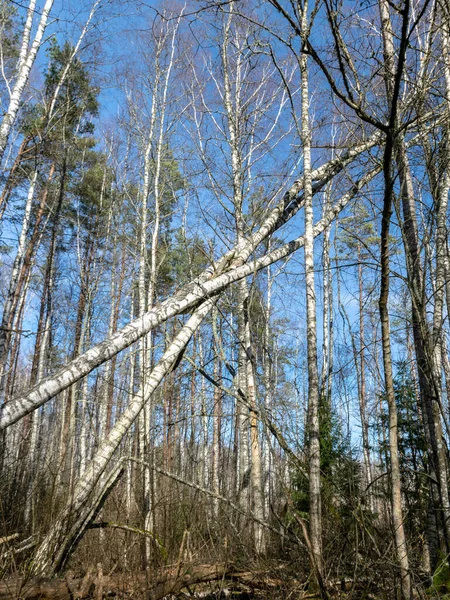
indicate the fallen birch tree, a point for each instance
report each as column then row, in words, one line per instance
column 230, row 268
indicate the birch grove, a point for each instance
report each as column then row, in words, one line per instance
column 224, row 332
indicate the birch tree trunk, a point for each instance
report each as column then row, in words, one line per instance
column 255, row 446
column 153, row 164
column 269, row 385
column 315, row 504
column 250, row 467
column 441, row 204
column 325, row 379
column 429, row 386
column 26, row 60
column 393, row 81
column 143, row 431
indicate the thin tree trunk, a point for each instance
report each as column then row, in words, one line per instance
column 9, row 185
column 70, row 419
column 269, row 373
column 217, row 416
column 362, row 390
column 11, row 298
column 37, row 373
column 203, row 442
column 315, row 504
column 255, row 447
column 392, row 80
column 397, row 512
column 73, row 54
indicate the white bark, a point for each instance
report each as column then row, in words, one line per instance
column 441, row 221
column 26, row 61
column 250, row 480
column 242, row 411
column 315, row 502
column 146, row 301
column 24, row 48
column 255, row 448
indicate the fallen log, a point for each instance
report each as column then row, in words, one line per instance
column 152, row 586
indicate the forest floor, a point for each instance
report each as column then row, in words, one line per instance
column 200, row 581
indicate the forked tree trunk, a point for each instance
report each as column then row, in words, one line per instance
column 250, row 468
column 429, row 384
